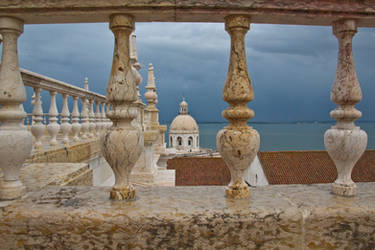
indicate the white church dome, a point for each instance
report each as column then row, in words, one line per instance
column 184, row 123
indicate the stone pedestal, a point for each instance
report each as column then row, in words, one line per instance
column 146, row 168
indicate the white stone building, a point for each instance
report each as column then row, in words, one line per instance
column 184, row 131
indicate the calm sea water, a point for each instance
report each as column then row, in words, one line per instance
column 284, row 136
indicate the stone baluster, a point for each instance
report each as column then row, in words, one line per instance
column 65, row 123
column 345, row 142
column 76, row 126
column 122, row 143
column 238, row 143
column 37, row 127
column 85, row 126
column 109, row 122
column 92, row 119
column 15, row 141
column 104, row 117
column 98, row 116
column 53, row 127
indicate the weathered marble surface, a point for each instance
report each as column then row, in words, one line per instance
column 345, row 142
column 36, row 176
column 315, row 12
column 76, row 152
column 122, row 143
column 238, row 143
column 282, row 217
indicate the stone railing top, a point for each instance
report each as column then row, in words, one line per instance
column 304, row 12
column 35, row 80
column 283, row 216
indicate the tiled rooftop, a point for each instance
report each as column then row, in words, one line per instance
column 282, row 167
column 308, row 167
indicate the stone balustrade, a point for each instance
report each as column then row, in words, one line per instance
column 64, row 127
column 125, row 140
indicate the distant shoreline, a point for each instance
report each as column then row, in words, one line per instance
column 294, row 122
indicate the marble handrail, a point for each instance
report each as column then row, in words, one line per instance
column 36, row 80
column 312, row 12
column 65, row 123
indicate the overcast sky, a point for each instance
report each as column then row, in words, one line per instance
column 291, row 67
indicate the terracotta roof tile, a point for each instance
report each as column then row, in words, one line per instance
column 283, row 167
column 198, row 171
column 308, row 167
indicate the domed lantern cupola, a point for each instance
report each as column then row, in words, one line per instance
column 184, row 107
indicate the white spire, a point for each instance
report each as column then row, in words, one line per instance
column 151, row 96
column 86, row 84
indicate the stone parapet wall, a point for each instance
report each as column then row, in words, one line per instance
column 78, row 152
column 282, row 217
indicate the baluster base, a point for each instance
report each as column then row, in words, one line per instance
column 10, row 190
column 344, row 189
column 126, row 193
column 238, row 146
column 238, row 191
column 345, row 147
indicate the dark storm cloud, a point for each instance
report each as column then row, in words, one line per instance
column 292, row 67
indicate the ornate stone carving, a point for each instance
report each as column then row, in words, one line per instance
column 122, row 143
column 15, row 141
column 238, row 143
column 37, row 127
column 345, row 142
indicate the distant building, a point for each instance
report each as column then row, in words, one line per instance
column 184, row 131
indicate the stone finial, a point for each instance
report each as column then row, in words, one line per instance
column 238, row 143
column 86, row 83
column 151, row 96
column 152, row 100
column 135, row 64
column 15, row 141
column 133, row 51
column 122, row 142
column 345, row 142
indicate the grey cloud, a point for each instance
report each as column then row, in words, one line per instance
column 291, row 67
